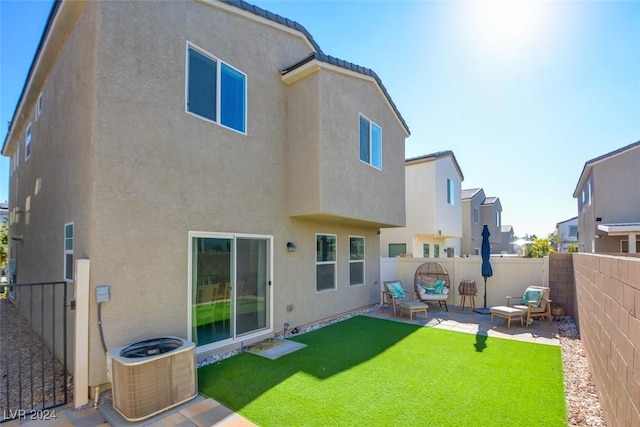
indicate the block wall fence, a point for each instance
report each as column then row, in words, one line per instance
column 607, row 293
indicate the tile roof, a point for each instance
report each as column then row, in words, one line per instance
column 469, row 193
column 319, row 56
column 437, row 155
column 490, row 200
column 275, row 18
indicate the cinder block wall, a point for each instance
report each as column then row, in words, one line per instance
column 561, row 282
column 608, row 302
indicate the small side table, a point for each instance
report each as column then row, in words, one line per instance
column 467, row 289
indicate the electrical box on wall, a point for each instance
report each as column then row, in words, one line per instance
column 102, row 293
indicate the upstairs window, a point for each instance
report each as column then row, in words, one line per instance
column 573, row 230
column 27, row 143
column 425, row 250
column 39, row 107
column 451, row 192
column 436, row 250
column 215, row 90
column 497, row 219
column 370, row 142
column 476, row 215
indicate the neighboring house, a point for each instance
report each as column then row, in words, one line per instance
column 434, row 211
column 4, row 212
column 609, row 202
column 567, row 233
column 200, row 153
column 477, row 210
column 508, row 236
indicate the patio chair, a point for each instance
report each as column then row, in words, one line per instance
column 394, row 294
column 431, row 282
column 534, row 302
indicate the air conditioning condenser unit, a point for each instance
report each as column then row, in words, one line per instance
column 151, row 376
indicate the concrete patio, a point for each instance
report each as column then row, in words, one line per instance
column 470, row 322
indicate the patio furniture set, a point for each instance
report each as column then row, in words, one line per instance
column 432, row 282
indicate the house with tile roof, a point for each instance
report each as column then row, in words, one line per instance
column 434, row 213
column 221, row 173
column 609, row 202
column 478, row 210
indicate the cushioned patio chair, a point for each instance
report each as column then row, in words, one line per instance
column 431, row 282
column 534, row 302
column 394, row 294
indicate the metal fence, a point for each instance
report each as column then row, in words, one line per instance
column 33, row 349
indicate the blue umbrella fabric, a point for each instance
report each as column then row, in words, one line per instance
column 485, row 251
column 487, row 271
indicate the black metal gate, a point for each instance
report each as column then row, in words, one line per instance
column 33, row 348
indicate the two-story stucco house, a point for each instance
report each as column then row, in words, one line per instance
column 434, row 211
column 609, row 202
column 508, row 236
column 200, row 154
column 478, row 210
column 567, row 231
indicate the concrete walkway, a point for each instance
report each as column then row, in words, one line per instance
column 203, row 412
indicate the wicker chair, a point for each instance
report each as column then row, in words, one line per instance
column 437, row 271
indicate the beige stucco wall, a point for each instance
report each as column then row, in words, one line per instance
column 327, row 177
column 161, row 172
column 136, row 173
column 53, row 186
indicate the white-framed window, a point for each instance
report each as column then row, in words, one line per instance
column 425, row 250
column 68, row 251
column 397, row 249
column 436, row 250
column 624, row 245
column 476, row 215
column 370, row 142
column 498, row 219
column 39, row 107
column 27, row 143
column 451, row 192
column 356, row 260
column 573, row 230
column 326, row 248
column 215, row 90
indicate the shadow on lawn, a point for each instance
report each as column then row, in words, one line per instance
column 481, row 339
column 330, row 350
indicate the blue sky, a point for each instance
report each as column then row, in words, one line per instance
column 523, row 93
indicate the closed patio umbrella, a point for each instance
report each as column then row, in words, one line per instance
column 487, row 271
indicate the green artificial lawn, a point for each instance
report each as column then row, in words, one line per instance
column 373, row 372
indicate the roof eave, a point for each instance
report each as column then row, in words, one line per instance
column 315, row 62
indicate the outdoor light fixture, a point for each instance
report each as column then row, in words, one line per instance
column 291, row 247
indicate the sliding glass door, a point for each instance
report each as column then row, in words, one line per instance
column 230, row 287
